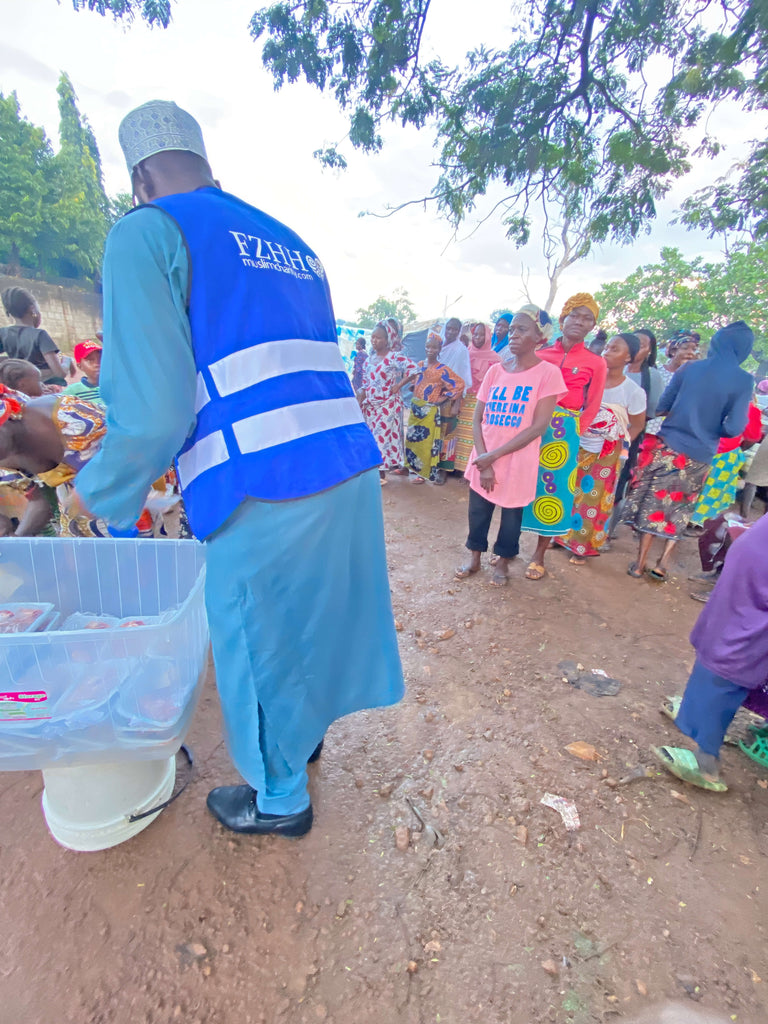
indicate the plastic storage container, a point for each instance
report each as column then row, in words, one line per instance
column 89, row 696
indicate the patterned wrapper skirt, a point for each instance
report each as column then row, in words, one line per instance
column 386, row 424
column 719, row 490
column 423, row 439
column 550, row 514
column 465, row 439
column 665, row 490
column 593, row 500
column 448, row 449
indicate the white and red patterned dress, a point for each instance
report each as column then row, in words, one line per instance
column 383, row 411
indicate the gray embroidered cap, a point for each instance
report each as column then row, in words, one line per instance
column 155, row 127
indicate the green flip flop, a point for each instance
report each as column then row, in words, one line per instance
column 670, row 706
column 682, row 763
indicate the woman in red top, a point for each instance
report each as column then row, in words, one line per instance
column 551, row 512
column 719, row 490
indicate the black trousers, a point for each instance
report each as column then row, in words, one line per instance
column 480, row 514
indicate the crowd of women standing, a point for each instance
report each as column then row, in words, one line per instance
column 569, row 436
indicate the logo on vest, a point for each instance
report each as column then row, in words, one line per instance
column 262, row 254
column 317, row 266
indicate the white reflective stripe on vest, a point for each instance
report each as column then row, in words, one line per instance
column 289, row 423
column 252, row 365
column 206, row 453
column 201, row 395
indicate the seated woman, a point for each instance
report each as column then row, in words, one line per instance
column 46, row 442
column 603, row 448
column 21, row 375
column 514, row 408
column 731, row 643
column 433, row 386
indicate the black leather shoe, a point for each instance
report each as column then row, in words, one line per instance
column 235, row 807
column 315, row 755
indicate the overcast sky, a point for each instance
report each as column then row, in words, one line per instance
column 260, row 145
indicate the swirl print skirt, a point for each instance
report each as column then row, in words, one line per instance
column 550, row 514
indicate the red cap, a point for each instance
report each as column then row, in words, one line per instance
column 84, row 348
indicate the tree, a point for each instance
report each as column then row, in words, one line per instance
column 54, row 212
column 399, row 306
column 593, row 98
column 736, row 204
column 677, row 293
column 73, row 241
column 118, row 206
column 25, row 162
column 154, row 12
column 565, row 240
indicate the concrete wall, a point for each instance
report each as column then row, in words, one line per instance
column 69, row 313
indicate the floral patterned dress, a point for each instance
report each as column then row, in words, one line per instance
column 664, row 493
column 434, row 385
column 383, row 411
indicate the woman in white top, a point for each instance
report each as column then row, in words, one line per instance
column 605, row 444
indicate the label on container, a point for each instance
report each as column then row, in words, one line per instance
column 23, row 704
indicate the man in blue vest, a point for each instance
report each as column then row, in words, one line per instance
column 220, row 351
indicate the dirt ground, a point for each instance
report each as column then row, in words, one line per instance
column 494, row 912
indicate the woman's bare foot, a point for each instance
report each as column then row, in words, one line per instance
column 472, row 567
column 500, row 576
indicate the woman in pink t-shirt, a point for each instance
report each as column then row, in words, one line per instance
column 514, row 406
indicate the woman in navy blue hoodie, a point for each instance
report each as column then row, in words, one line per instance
column 704, row 402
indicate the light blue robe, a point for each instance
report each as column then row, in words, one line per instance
column 297, row 594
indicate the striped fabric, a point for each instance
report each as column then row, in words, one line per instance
column 276, row 416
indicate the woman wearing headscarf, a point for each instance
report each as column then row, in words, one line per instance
column 455, row 356
column 501, row 330
column 603, row 448
column 380, row 396
column 481, row 358
column 705, row 401
column 641, row 371
column 434, row 388
column 396, row 333
column 514, row 406
column 683, row 347
column 551, row 512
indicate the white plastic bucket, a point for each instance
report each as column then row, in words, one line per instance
column 87, row 808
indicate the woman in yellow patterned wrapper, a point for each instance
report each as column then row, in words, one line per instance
column 550, row 514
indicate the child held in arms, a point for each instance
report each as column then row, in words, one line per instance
column 88, row 358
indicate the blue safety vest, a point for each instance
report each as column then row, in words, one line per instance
column 277, row 418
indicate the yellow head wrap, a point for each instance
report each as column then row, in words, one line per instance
column 580, row 299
